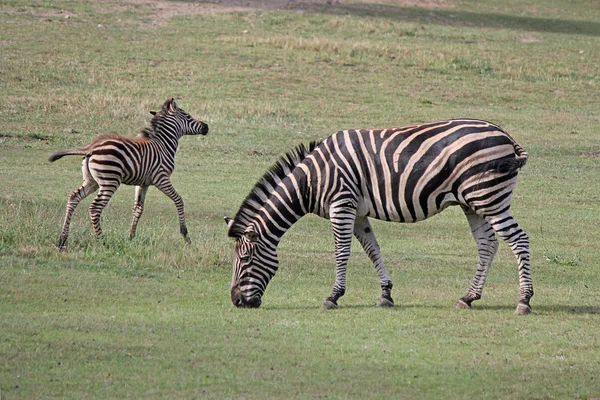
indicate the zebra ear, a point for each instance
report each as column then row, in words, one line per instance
column 251, row 236
column 153, row 112
column 173, row 105
column 229, row 222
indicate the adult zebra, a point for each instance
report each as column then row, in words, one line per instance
column 149, row 159
column 404, row 174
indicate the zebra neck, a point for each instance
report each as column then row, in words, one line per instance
column 280, row 208
column 169, row 142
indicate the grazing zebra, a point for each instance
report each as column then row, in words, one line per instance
column 404, row 174
column 149, row 159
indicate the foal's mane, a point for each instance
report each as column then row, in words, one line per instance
column 265, row 185
column 148, row 132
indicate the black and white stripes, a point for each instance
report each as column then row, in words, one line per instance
column 111, row 160
column 404, row 174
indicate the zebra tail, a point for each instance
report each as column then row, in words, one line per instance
column 69, row 152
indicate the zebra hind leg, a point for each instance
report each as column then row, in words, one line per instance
column 98, row 205
column 85, row 190
column 487, row 246
column 138, row 208
column 364, row 233
column 509, row 230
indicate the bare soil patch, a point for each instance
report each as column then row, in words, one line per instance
column 161, row 10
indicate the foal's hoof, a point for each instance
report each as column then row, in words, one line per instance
column 462, row 305
column 62, row 245
column 383, row 302
column 523, row 309
column 329, row 305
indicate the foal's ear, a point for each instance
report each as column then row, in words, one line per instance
column 228, row 221
column 153, row 112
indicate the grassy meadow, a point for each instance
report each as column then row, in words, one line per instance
column 152, row 317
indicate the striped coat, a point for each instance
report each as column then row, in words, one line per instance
column 149, row 159
column 404, row 174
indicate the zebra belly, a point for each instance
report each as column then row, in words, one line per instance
column 138, row 180
column 393, row 214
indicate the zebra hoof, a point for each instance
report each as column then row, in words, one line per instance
column 383, row 302
column 329, row 305
column 522, row 309
column 462, row 305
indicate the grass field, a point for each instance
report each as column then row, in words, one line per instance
column 152, row 317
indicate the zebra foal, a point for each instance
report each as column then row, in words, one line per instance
column 149, row 159
column 403, row 174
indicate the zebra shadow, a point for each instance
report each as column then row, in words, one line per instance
column 546, row 309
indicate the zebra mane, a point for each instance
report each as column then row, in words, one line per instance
column 146, row 133
column 149, row 131
column 265, row 185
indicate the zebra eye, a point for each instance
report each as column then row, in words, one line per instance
column 245, row 257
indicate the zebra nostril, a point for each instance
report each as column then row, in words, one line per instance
column 236, row 297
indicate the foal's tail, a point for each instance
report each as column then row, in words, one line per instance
column 69, row 152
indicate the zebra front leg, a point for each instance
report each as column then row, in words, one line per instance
column 342, row 223
column 510, row 231
column 85, row 190
column 167, row 188
column 138, row 208
column 364, row 233
column 487, row 246
column 98, row 205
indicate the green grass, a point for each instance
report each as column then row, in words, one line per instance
column 152, row 318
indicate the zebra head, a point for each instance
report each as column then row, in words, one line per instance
column 174, row 118
column 254, row 264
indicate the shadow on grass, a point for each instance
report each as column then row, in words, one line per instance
column 460, row 18
column 559, row 308
column 542, row 309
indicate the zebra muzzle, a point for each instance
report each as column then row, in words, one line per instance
column 238, row 299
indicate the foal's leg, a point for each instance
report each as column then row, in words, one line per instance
column 98, row 204
column 366, row 237
column 138, row 208
column 487, row 245
column 167, row 188
column 89, row 186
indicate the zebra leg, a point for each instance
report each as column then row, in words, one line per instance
column 85, row 190
column 98, row 204
column 487, row 246
column 88, row 187
column 167, row 188
column 138, row 208
column 342, row 223
column 366, row 237
column 509, row 230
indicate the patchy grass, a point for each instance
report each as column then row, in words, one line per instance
column 152, row 317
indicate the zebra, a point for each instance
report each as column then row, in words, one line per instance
column 149, row 159
column 401, row 174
